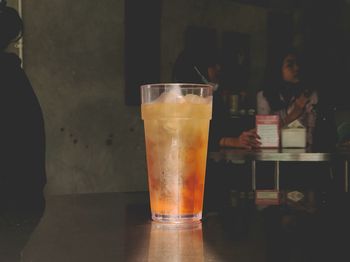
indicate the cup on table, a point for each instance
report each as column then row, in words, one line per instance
column 176, row 121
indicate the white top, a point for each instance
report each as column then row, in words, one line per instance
column 307, row 119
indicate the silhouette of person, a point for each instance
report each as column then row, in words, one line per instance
column 22, row 168
column 22, row 162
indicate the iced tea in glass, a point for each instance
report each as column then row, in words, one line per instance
column 176, row 120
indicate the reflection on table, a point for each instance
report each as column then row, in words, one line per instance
column 117, row 227
column 174, row 243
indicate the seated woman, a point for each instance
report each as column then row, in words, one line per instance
column 204, row 68
column 194, row 67
column 285, row 95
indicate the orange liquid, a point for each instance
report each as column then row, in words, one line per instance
column 176, row 158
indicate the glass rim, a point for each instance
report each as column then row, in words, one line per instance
column 181, row 85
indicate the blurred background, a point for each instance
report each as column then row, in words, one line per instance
column 87, row 59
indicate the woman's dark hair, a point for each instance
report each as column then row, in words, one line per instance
column 11, row 25
column 274, row 83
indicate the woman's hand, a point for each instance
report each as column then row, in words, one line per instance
column 249, row 139
column 299, row 105
column 301, row 102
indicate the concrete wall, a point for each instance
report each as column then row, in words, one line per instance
column 221, row 15
column 73, row 55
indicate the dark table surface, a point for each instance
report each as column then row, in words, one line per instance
column 117, row 227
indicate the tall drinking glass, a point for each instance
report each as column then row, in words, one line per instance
column 176, row 120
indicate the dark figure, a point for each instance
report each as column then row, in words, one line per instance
column 22, row 162
column 22, row 173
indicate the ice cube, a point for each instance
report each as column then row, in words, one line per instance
column 194, row 99
column 171, row 126
column 172, row 96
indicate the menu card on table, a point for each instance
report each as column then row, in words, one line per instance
column 267, row 127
